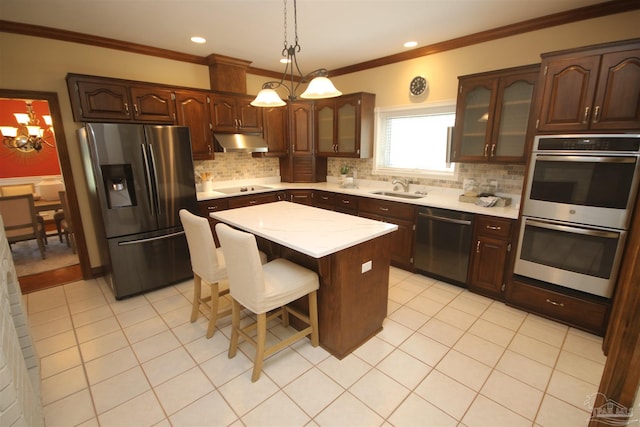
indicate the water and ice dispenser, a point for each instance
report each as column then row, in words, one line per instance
column 118, row 184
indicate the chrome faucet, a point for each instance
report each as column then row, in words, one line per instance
column 403, row 182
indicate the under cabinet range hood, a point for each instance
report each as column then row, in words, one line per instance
column 241, row 142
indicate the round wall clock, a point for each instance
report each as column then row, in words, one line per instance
column 418, row 85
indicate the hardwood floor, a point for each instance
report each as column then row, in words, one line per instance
column 47, row 279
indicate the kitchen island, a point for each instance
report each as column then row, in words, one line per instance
column 349, row 253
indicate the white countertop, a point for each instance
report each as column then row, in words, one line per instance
column 437, row 197
column 313, row 231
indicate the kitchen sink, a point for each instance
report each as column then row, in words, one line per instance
column 400, row 195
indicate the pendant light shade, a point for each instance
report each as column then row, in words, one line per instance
column 320, row 88
column 268, row 98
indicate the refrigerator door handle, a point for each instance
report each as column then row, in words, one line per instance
column 156, row 196
column 147, row 173
column 150, row 239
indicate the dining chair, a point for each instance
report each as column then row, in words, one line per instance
column 209, row 266
column 21, row 189
column 66, row 226
column 20, row 220
column 265, row 290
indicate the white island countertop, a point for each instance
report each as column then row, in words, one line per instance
column 312, row 231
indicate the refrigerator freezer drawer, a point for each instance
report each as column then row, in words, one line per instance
column 148, row 261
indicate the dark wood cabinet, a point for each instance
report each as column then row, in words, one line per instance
column 492, row 115
column 304, row 197
column 324, row 199
column 102, row 99
column 401, row 243
column 234, row 113
column 252, row 199
column 590, row 89
column 346, row 203
column 345, row 125
column 490, row 250
column 301, row 164
column 275, row 125
column 579, row 310
column 192, row 108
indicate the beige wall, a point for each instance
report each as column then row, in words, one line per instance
column 54, row 59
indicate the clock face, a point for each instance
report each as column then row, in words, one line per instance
column 418, row 85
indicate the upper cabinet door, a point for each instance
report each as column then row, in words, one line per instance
column 617, row 101
column 301, row 122
column 596, row 88
column 193, row 111
column 98, row 100
column 345, row 126
column 223, row 113
column 275, row 131
column 249, row 117
column 348, row 112
column 152, row 104
column 474, row 118
column 492, row 115
column 515, row 95
column 567, row 95
column 325, row 137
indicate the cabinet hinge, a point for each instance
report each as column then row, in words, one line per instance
column 414, row 227
column 210, row 126
column 509, row 247
column 460, row 89
column 411, row 260
column 208, row 100
column 537, row 123
column 546, row 68
column 173, row 96
column 502, row 287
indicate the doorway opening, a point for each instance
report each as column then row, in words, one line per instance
column 42, row 163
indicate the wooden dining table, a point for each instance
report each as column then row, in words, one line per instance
column 47, row 205
column 349, row 253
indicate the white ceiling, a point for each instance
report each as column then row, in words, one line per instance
column 332, row 33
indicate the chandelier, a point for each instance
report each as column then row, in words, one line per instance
column 28, row 135
column 319, row 85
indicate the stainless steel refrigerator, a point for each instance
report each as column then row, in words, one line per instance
column 142, row 176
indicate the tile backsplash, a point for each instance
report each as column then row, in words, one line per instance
column 232, row 166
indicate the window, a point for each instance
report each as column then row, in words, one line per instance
column 414, row 141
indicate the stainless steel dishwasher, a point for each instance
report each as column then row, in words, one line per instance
column 443, row 244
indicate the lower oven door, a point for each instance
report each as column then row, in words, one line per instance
column 575, row 256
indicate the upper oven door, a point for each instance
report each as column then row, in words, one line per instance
column 586, row 189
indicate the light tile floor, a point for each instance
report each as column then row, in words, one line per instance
column 446, row 357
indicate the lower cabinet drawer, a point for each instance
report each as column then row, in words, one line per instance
column 583, row 313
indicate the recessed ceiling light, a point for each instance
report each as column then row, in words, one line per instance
column 411, row 44
column 197, row 39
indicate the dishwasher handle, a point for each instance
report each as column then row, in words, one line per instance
column 445, row 219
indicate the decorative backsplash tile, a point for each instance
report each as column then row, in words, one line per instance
column 231, row 166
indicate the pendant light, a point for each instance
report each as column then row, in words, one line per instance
column 319, row 84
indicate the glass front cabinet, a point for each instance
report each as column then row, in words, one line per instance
column 344, row 126
column 492, row 116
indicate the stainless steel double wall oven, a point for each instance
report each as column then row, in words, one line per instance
column 577, row 208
